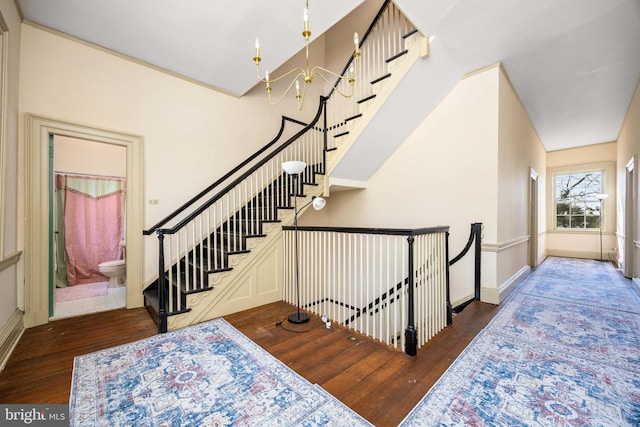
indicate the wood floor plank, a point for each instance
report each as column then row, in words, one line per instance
column 380, row 383
column 390, row 391
column 40, row 368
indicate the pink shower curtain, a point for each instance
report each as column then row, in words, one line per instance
column 93, row 223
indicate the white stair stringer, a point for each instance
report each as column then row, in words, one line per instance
column 256, row 278
column 417, row 47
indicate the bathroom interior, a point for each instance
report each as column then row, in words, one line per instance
column 88, row 215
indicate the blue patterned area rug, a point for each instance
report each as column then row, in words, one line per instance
column 204, row 375
column 564, row 350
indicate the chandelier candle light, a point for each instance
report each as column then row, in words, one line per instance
column 307, row 74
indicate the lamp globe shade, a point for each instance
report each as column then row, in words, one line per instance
column 294, row 167
column 318, row 203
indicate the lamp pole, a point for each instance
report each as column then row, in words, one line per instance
column 294, row 168
column 601, row 198
column 297, row 317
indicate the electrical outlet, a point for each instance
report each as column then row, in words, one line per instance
column 154, row 202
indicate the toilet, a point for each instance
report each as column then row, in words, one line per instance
column 115, row 270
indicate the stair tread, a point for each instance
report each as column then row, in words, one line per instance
column 396, row 56
column 379, row 79
column 368, row 98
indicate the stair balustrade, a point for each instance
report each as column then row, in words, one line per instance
column 390, row 284
column 202, row 237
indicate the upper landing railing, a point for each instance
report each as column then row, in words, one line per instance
column 390, row 284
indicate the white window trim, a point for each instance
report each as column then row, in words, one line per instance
column 608, row 170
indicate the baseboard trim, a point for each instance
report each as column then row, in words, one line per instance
column 10, row 335
column 541, row 258
column 462, row 300
column 497, row 295
column 573, row 254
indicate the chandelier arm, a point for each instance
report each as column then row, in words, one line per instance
column 301, row 99
column 316, row 71
column 341, row 93
column 335, row 86
column 323, row 77
column 299, row 70
column 287, row 89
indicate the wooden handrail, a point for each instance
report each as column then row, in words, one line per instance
column 233, row 171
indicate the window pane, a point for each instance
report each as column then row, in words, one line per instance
column 576, row 204
column 593, row 208
column 563, row 222
column 593, row 221
column 577, row 221
column 562, row 208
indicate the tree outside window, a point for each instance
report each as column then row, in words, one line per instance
column 576, row 204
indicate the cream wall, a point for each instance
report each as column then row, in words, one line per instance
column 469, row 161
column 519, row 152
column 628, row 149
column 192, row 134
column 85, row 157
column 584, row 244
column 435, row 177
column 9, row 193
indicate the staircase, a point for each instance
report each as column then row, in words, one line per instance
column 222, row 251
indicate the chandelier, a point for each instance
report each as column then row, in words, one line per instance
column 305, row 74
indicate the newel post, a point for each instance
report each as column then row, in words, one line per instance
column 410, row 334
column 448, row 282
column 162, row 312
column 477, row 229
column 325, row 134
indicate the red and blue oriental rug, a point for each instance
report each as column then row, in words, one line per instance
column 204, row 375
column 564, row 350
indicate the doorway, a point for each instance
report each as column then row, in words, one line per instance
column 38, row 229
column 630, row 218
column 88, row 213
column 533, row 219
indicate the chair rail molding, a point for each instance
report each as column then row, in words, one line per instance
column 501, row 246
column 10, row 260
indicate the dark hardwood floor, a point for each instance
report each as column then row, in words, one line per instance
column 39, row 369
column 380, row 383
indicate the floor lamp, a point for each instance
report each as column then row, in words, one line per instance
column 294, row 168
column 601, row 198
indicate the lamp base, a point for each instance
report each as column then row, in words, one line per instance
column 298, row 318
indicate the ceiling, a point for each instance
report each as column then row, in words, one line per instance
column 574, row 63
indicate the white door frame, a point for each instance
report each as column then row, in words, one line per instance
column 630, row 217
column 533, row 219
column 36, row 254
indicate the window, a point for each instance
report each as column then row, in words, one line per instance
column 577, row 206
